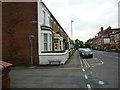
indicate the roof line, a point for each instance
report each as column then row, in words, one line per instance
column 54, row 17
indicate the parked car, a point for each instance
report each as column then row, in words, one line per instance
column 80, row 50
column 86, row 52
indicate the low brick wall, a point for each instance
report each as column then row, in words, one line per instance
column 4, row 75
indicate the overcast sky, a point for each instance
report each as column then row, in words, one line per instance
column 88, row 16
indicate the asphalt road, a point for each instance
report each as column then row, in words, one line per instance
column 101, row 71
column 108, row 72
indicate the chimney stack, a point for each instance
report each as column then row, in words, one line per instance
column 101, row 29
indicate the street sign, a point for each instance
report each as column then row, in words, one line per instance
column 30, row 41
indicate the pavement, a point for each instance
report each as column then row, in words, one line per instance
column 72, row 62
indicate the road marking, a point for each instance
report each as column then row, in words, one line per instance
column 69, row 68
column 86, row 77
column 83, row 70
column 101, row 82
column 81, row 63
column 89, row 87
column 86, row 63
column 45, row 68
column 102, row 62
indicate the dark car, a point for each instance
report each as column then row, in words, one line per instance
column 80, row 50
column 86, row 53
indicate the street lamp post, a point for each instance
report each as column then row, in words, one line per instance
column 71, row 30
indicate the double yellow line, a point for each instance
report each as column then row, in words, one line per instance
column 87, row 65
column 46, row 68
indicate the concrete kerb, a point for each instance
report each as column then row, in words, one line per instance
column 33, row 67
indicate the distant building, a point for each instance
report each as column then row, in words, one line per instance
column 115, row 38
column 106, row 38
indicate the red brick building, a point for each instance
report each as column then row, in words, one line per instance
column 106, row 38
column 115, row 38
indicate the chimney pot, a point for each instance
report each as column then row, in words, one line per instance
column 101, row 29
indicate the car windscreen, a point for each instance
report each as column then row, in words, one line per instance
column 87, row 51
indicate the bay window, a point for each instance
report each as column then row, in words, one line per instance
column 46, row 39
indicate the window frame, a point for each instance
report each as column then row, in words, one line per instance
column 46, row 40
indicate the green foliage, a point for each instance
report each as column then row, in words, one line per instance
column 87, row 43
column 78, row 44
column 81, row 44
column 111, row 48
column 99, row 48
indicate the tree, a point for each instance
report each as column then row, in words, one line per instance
column 78, row 44
column 87, row 43
column 81, row 44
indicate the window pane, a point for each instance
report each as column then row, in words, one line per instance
column 50, row 38
column 45, row 46
column 45, row 37
column 45, row 42
column 56, row 45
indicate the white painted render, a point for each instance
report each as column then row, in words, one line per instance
column 47, row 15
column 61, row 39
column 40, row 23
column 69, row 43
column 46, row 57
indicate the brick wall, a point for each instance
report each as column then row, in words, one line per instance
column 18, row 24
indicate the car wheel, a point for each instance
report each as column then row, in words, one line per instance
column 91, row 56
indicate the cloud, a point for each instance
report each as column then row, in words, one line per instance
column 88, row 15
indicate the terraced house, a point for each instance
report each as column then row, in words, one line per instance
column 108, row 38
column 32, row 35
